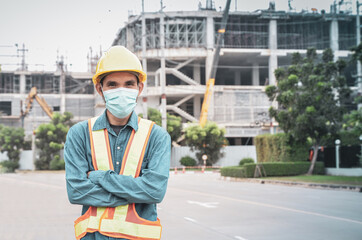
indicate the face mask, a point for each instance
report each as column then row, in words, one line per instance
column 120, row 101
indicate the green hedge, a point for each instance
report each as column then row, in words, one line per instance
column 9, row 166
column 188, row 161
column 276, row 148
column 272, row 169
column 245, row 161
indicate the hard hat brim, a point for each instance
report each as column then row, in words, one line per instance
column 98, row 77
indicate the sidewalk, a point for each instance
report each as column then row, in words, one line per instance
column 300, row 184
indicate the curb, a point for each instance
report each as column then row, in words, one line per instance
column 301, row 184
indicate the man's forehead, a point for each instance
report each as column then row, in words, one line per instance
column 120, row 76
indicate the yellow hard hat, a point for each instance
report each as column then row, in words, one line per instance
column 116, row 59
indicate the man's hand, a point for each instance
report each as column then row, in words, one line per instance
column 88, row 174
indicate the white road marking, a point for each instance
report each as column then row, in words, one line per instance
column 190, row 219
column 269, row 206
column 206, row 204
column 32, row 182
column 240, row 238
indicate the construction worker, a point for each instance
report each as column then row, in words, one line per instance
column 117, row 164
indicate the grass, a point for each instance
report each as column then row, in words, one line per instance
column 324, row 179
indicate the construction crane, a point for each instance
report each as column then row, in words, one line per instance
column 211, row 82
column 29, row 102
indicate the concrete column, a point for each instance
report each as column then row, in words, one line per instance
column 144, row 64
column 255, row 74
column 273, row 44
column 197, row 106
column 237, row 78
column 210, row 35
column 334, row 35
column 163, row 74
column 208, row 64
column 22, row 83
column 197, row 73
column 197, row 99
column 210, row 39
column 130, row 40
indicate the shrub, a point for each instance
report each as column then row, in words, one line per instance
column 57, row 163
column 272, row 169
column 246, row 160
column 9, row 166
column 188, row 161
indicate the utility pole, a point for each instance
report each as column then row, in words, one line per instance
column 163, row 66
column 144, row 61
column 62, row 85
column 24, row 67
column 358, row 41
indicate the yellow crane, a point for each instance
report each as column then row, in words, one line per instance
column 29, row 102
column 211, row 82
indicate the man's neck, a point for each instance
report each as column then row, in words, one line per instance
column 117, row 121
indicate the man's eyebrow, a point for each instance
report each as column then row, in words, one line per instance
column 111, row 81
column 131, row 81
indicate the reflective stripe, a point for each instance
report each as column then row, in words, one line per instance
column 122, row 221
column 135, row 152
column 92, row 222
column 101, row 148
column 132, row 229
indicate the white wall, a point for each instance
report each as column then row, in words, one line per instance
column 232, row 155
column 26, row 159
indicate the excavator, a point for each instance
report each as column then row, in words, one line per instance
column 29, row 101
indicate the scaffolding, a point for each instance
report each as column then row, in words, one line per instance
column 244, row 32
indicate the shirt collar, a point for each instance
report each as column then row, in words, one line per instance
column 102, row 122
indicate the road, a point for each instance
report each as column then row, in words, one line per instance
column 196, row 207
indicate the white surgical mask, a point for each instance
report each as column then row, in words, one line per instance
column 121, row 101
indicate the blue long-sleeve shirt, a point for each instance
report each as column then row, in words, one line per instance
column 108, row 188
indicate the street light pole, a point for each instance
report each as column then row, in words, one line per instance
column 358, row 41
column 144, row 61
column 337, row 142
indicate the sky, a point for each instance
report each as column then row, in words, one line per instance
column 68, row 28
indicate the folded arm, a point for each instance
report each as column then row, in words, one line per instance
column 151, row 186
column 80, row 189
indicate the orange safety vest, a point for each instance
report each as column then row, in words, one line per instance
column 122, row 221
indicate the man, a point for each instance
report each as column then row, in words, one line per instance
column 117, row 165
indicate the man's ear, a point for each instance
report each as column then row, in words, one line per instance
column 99, row 89
column 140, row 88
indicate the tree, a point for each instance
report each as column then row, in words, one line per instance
column 352, row 128
column 311, row 95
column 174, row 124
column 50, row 140
column 11, row 141
column 357, row 53
column 207, row 140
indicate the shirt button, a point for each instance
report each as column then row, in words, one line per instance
column 117, row 163
column 118, row 147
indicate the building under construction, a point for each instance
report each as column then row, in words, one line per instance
column 255, row 44
column 28, row 98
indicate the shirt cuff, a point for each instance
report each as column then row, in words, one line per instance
column 95, row 176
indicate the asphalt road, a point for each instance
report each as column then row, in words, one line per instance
column 196, row 207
